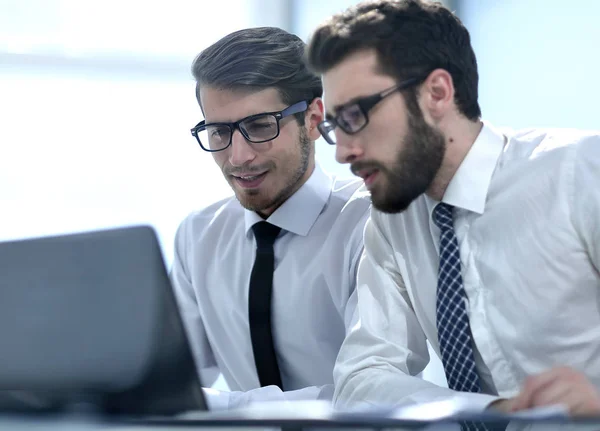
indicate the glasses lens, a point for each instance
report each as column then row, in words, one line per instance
column 215, row 138
column 351, row 119
column 260, row 129
column 327, row 130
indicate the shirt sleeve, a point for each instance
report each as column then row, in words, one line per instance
column 222, row 400
column 585, row 196
column 356, row 247
column 386, row 348
column 189, row 310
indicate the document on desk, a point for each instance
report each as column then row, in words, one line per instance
column 267, row 410
column 437, row 410
column 324, row 411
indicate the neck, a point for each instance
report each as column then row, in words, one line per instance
column 266, row 213
column 460, row 136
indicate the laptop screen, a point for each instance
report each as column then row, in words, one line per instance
column 90, row 319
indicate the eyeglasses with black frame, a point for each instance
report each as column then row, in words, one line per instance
column 353, row 116
column 257, row 128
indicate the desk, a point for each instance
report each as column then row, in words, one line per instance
column 39, row 423
column 83, row 423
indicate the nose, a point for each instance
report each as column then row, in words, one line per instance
column 347, row 148
column 241, row 152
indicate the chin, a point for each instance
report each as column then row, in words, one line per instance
column 389, row 208
column 391, row 204
column 254, row 204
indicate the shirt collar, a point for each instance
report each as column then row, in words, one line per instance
column 300, row 211
column 469, row 185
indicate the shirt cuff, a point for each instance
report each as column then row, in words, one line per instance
column 478, row 402
column 216, row 400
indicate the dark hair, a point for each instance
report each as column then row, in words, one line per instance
column 411, row 38
column 255, row 59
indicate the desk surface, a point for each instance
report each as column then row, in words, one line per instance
column 93, row 423
column 23, row 423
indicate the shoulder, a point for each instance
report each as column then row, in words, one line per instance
column 553, row 165
column 586, row 165
column 351, row 202
column 551, row 144
column 343, row 219
column 351, row 194
column 561, row 156
column 215, row 216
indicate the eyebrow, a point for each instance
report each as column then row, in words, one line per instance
column 330, row 116
column 239, row 119
column 350, row 102
column 328, row 113
column 247, row 116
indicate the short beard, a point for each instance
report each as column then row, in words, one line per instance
column 291, row 185
column 416, row 166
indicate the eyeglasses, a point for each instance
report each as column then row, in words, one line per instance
column 352, row 117
column 256, row 128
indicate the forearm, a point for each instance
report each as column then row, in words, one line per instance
column 377, row 386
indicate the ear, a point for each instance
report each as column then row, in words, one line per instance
column 437, row 94
column 314, row 115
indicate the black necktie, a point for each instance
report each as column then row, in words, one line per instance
column 259, row 305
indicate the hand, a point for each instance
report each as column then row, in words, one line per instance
column 561, row 385
column 504, row 405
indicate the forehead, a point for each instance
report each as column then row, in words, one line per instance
column 355, row 76
column 232, row 105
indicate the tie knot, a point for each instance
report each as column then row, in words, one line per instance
column 265, row 234
column 442, row 216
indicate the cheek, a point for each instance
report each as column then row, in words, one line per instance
column 284, row 146
column 387, row 133
column 220, row 158
column 382, row 141
column 288, row 133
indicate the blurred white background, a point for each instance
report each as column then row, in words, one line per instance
column 97, row 98
column 96, row 104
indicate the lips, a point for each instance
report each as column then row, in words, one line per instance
column 249, row 177
column 368, row 175
column 250, row 181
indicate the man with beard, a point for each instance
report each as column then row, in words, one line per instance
column 486, row 244
column 265, row 279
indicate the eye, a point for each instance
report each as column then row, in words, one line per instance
column 256, row 126
column 218, row 132
column 350, row 118
column 261, row 128
column 351, row 114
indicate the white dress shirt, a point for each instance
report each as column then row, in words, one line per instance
column 527, row 220
column 316, row 259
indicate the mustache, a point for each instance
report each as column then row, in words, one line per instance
column 366, row 165
column 247, row 170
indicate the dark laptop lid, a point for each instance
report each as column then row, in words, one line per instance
column 90, row 318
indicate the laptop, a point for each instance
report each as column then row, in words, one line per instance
column 89, row 321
